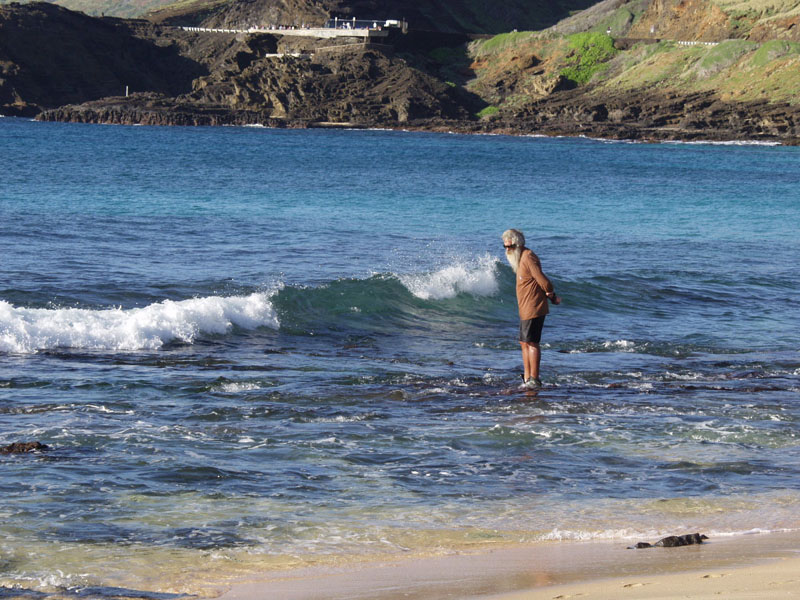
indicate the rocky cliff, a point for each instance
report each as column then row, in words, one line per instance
column 426, row 15
column 220, row 78
column 433, row 15
column 603, row 72
column 349, row 86
column 50, row 56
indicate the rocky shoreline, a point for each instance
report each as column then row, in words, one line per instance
column 655, row 118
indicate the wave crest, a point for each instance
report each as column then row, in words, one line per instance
column 344, row 305
column 27, row 330
column 478, row 279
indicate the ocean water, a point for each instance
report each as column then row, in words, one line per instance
column 250, row 349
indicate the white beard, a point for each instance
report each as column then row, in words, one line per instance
column 513, row 257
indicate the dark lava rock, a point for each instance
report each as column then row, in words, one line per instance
column 23, row 447
column 673, row 541
column 655, row 116
column 353, row 85
column 50, row 56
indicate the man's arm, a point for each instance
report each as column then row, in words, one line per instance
column 535, row 269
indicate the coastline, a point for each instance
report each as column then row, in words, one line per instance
column 652, row 136
column 654, row 88
column 753, row 566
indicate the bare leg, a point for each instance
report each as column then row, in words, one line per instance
column 531, row 358
column 525, row 361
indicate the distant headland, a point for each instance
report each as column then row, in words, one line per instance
column 643, row 70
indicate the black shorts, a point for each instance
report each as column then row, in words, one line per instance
column 530, row 330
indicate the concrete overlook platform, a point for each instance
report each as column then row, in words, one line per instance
column 367, row 29
column 316, row 32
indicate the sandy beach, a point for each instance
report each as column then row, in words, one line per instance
column 750, row 566
column 779, row 578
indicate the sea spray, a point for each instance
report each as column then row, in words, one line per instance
column 478, row 277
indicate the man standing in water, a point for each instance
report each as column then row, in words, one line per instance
column 533, row 291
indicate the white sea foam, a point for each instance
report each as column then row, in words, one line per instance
column 26, row 330
column 754, row 531
column 235, row 387
column 622, row 345
column 724, row 143
column 478, row 278
column 643, row 387
column 342, row 419
column 586, row 535
column 690, row 376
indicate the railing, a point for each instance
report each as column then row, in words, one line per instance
column 290, row 54
column 209, row 30
column 350, row 27
column 341, row 23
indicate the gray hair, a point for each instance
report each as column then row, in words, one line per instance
column 514, row 236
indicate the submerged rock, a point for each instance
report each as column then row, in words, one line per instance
column 23, row 447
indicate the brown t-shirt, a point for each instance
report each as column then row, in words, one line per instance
column 532, row 287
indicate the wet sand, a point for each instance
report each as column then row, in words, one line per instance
column 748, row 566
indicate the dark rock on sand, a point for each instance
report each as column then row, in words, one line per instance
column 674, row 541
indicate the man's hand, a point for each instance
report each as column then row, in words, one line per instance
column 555, row 299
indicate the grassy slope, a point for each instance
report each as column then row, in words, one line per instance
column 115, row 8
column 507, row 66
column 767, row 8
column 737, row 70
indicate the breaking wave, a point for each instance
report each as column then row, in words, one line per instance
column 26, row 330
column 478, row 279
column 341, row 305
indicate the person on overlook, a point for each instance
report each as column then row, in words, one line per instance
column 534, row 289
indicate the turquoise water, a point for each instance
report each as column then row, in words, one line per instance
column 253, row 348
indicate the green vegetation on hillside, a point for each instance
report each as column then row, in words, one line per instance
column 736, row 70
column 590, row 53
column 622, row 18
column 773, row 49
column 519, row 68
column 453, row 64
column 765, row 8
column 722, row 56
column 109, row 8
column 501, row 42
